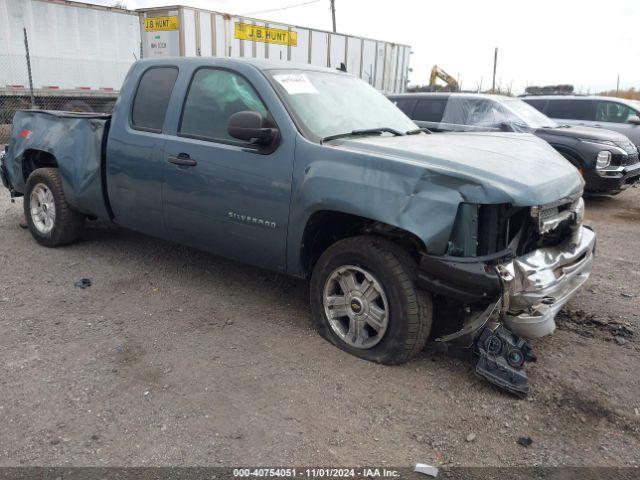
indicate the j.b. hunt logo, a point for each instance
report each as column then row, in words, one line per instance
column 249, row 219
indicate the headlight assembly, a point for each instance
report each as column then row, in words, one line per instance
column 603, row 160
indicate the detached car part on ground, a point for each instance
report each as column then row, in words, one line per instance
column 607, row 160
column 313, row 173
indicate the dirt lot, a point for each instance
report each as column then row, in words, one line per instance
column 176, row 357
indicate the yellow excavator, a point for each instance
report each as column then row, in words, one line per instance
column 452, row 83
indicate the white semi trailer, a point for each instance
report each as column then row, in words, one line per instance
column 80, row 53
column 190, row 32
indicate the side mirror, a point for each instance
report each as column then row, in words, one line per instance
column 634, row 119
column 251, row 127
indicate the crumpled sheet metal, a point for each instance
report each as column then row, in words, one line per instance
column 416, row 182
column 544, row 281
column 75, row 140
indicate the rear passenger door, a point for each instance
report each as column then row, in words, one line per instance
column 221, row 194
column 135, row 162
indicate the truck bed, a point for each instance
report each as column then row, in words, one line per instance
column 75, row 141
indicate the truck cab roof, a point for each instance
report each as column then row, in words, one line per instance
column 235, row 62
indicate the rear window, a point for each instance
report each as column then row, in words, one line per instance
column 152, row 98
column 571, row 109
column 430, row 110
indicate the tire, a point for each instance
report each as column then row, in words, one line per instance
column 375, row 263
column 66, row 225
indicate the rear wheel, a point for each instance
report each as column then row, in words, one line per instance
column 50, row 219
column 365, row 301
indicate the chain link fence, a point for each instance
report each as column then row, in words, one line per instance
column 51, row 83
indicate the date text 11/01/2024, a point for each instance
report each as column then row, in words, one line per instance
column 316, row 472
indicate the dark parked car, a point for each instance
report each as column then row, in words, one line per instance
column 618, row 114
column 607, row 160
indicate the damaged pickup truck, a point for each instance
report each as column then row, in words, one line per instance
column 313, row 173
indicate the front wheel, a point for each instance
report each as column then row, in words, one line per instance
column 364, row 300
column 50, row 219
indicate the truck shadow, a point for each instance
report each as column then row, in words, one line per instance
column 174, row 264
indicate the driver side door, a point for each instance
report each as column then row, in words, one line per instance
column 221, row 194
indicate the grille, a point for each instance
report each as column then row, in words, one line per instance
column 631, row 159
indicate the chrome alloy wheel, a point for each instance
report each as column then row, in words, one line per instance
column 43, row 208
column 356, row 306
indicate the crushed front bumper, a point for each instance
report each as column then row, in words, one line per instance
column 544, row 280
column 525, row 293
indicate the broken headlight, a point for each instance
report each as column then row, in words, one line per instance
column 550, row 217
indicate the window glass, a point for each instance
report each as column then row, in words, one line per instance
column 571, row 109
column 613, row 112
column 474, row 111
column 405, row 104
column 328, row 103
column 213, row 97
column 430, row 110
column 152, row 98
column 539, row 104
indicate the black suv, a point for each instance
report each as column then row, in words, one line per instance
column 607, row 160
column 617, row 114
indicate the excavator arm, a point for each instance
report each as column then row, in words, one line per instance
column 436, row 73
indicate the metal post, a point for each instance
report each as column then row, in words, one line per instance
column 333, row 14
column 495, row 64
column 26, row 47
column 618, row 86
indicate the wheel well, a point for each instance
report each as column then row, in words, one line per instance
column 575, row 158
column 326, row 227
column 34, row 159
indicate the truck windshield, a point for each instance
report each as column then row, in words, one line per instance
column 335, row 104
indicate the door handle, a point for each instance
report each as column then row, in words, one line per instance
column 182, row 160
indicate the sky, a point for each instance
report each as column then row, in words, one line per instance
column 586, row 43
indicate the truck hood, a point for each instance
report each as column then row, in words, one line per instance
column 495, row 167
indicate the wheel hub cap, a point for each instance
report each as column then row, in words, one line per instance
column 43, row 208
column 356, row 306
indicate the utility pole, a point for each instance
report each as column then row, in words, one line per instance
column 495, row 65
column 333, row 14
column 618, row 86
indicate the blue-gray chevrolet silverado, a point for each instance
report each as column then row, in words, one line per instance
column 314, row 173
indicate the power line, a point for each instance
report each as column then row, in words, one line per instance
column 281, row 8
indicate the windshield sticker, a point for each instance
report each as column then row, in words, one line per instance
column 295, row 84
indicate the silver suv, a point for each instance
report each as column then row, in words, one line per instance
column 618, row 114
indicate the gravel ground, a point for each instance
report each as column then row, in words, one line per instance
column 176, row 357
